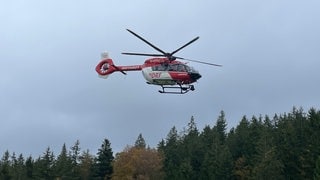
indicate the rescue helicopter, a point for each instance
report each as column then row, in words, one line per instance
column 161, row 69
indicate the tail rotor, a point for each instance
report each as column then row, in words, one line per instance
column 106, row 66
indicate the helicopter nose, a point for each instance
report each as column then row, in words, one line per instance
column 195, row 76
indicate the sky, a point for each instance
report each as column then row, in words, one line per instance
column 50, row 93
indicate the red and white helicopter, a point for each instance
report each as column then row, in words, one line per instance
column 162, row 69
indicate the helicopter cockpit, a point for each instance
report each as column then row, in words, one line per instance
column 174, row 67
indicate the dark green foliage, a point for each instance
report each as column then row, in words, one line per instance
column 102, row 168
column 217, row 161
column 284, row 147
column 316, row 174
column 29, row 167
column 63, row 165
column 67, row 165
column 43, row 166
column 74, row 156
column 18, row 167
column 5, row 166
column 172, row 155
column 140, row 142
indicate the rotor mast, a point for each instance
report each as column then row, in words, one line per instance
column 168, row 55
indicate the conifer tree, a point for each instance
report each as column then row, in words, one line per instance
column 63, row 164
column 316, row 174
column 5, row 166
column 18, row 169
column 191, row 151
column 221, row 126
column 74, row 155
column 85, row 165
column 172, row 155
column 44, row 165
column 103, row 163
column 29, row 167
column 140, row 142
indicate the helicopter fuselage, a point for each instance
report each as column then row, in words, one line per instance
column 172, row 73
column 157, row 71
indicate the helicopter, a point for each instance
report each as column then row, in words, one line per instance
column 163, row 69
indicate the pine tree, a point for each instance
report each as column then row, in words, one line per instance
column 5, row 166
column 29, row 168
column 217, row 163
column 172, row 155
column 74, row 155
column 267, row 165
column 221, row 127
column 140, row 142
column 291, row 141
column 18, row 167
column 103, row 164
column 63, row 164
column 191, row 151
column 316, row 174
column 239, row 145
column 43, row 166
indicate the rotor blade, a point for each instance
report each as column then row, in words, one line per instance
column 143, row 54
column 202, row 62
column 155, row 47
column 193, row 40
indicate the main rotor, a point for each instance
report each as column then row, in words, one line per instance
column 168, row 55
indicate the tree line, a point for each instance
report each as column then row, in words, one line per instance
column 286, row 146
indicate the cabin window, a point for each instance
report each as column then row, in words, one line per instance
column 172, row 67
column 161, row 67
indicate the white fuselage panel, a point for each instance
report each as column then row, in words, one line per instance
column 157, row 77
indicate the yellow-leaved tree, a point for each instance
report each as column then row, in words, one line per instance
column 138, row 162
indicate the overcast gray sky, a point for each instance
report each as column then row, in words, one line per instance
column 50, row 93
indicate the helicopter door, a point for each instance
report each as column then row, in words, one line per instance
column 157, row 75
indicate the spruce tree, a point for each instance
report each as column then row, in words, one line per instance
column 29, row 167
column 140, row 142
column 5, row 166
column 63, row 166
column 316, row 175
column 103, row 163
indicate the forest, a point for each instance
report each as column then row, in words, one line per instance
column 285, row 146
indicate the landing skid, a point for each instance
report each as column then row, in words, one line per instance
column 183, row 89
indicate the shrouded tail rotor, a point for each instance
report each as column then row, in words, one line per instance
column 106, row 66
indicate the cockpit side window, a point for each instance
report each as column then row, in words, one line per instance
column 173, row 67
column 182, row 68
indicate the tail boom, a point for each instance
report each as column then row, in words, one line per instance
column 106, row 67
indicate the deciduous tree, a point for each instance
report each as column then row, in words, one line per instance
column 138, row 163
